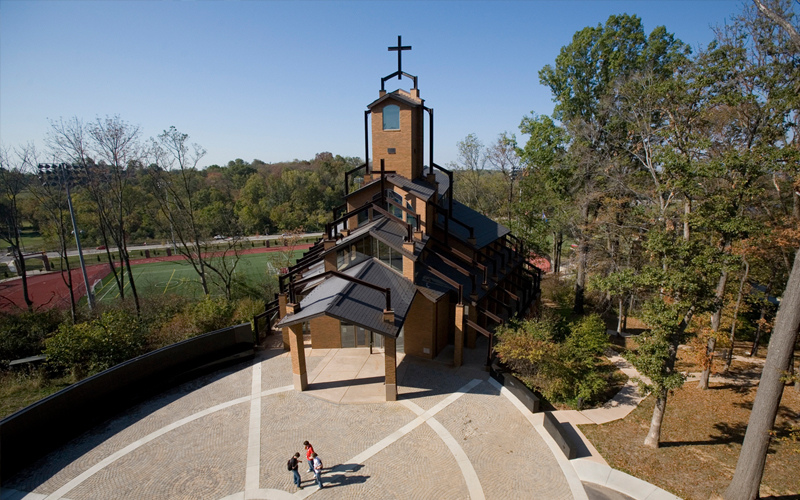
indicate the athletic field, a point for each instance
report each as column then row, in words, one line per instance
column 179, row 277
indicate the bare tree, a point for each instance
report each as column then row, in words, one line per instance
column 55, row 219
column 471, row 165
column 117, row 147
column 176, row 181
column 13, row 182
column 70, row 141
column 502, row 155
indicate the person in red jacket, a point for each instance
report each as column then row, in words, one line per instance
column 309, row 455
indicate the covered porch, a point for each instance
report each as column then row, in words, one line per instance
column 350, row 375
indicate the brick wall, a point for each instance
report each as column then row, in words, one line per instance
column 443, row 323
column 359, row 199
column 419, row 326
column 326, row 333
column 407, row 141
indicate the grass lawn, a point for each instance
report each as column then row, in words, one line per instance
column 701, row 438
column 20, row 390
column 179, row 277
column 31, row 240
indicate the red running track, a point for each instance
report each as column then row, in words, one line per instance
column 49, row 289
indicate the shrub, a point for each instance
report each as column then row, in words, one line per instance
column 582, row 354
column 212, row 314
column 247, row 308
column 87, row 348
column 563, row 368
column 23, row 334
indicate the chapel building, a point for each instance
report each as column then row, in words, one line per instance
column 403, row 266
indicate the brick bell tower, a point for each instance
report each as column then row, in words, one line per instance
column 398, row 125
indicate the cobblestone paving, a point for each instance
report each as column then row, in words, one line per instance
column 510, row 458
column 192, row 442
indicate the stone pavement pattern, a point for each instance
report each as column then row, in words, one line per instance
column 228, row 435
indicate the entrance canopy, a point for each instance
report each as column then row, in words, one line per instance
column 356, row 304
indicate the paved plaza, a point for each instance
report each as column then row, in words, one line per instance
column 454, row 433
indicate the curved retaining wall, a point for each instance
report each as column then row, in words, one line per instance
column 36, row 429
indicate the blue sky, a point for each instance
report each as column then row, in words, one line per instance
column 278, row 80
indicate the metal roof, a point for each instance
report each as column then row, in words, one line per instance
column 485, row 229
column 443, row 180
column 417, row 187
column 397, row 95
column 357, row 304
column 388, row 231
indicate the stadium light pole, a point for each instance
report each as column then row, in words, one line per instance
column 62, row 174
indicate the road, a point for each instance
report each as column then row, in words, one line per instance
column 93, row 251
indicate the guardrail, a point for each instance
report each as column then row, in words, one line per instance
column 41, row 427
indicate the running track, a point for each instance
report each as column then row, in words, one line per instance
column 49, row 289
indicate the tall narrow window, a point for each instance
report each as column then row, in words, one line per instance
column 391, row 117
column 394, row 209
column 410, row 218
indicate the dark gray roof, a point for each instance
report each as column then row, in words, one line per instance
column 394, row 234
column 433, row 288
column 358, row 304
column 388, row 231
column 443, row 180
column 436, row 284
column 417, row 187
column 358, row 232
column 485, row 229
column 398, row 96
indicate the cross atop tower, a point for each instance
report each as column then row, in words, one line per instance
column 399, row 73
column 399, row 49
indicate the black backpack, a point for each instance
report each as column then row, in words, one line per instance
column 289, row 464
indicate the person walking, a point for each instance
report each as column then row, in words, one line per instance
column 317, row 469
column 309, row 452
column 293, row 464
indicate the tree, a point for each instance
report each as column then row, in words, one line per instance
column 752, row 457
column 71, row 142
column 470, row 166
column 117, row 151
column 502, row 156
column 175, row 183
column 585, row 75
column 678, row 280
column 13, row 183
column 195, row 211
column 54, row 223
column 545, row 206
column 252, row 207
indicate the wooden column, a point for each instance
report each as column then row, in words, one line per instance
column 390, row 367
column 458, row 352
column 282, row 301
column 299, row 375
column 330, row 257
column 471, row 332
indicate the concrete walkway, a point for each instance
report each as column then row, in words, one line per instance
column 454, row 433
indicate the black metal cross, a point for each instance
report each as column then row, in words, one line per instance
column 400, row 48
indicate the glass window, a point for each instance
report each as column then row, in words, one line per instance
column 340, row 259
column 384, row 253
column 391, row 117
column 392, row 209
column 348, row 335
column 411, row 219
column 397, row 261
column 400, row 342
column 361, row 337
